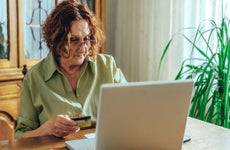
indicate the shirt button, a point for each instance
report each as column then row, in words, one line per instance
column 78, row 95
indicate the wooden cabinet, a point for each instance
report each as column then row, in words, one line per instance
column 20, row 41
column 10, row 68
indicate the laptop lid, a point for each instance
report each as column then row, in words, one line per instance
column 143, row 115
column 140, row 115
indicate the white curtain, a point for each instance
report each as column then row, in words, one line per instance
column 138, row 30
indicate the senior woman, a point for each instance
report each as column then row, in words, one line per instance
column 66, row 83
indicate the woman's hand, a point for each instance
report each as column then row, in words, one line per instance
column 59, row 126
column 62, row 125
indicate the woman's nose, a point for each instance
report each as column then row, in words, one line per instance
column 81, row 48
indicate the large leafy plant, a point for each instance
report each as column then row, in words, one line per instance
column 210, row 71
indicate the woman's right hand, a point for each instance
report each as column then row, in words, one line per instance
column 59, row 126
column 62, row 125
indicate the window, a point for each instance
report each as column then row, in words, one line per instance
column 35, row 13
column 3, row 31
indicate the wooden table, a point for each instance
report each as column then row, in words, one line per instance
column 204, row 136
column 42, row 143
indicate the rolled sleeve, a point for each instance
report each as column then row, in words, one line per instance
column 24, row 125
column 31, row 122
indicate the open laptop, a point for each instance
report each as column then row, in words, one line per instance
column 140, row 115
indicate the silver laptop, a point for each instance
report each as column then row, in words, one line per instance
column 140, row 116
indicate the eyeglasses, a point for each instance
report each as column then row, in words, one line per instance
column 77, row 43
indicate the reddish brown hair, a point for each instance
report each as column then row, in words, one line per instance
column 56, row 29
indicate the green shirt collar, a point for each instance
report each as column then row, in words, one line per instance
column 50, row 69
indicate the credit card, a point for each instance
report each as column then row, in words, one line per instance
column 84, row 122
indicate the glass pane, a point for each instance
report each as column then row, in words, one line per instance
column 35, row 13
column 3, row 31
column 89, row 3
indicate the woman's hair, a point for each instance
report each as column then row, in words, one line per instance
column 56, row 29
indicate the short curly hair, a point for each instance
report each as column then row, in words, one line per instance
column 57, row 26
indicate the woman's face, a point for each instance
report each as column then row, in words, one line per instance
column 79, row 43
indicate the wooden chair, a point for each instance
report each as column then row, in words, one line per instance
column 7, row 126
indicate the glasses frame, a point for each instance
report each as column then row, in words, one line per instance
column 78, row 44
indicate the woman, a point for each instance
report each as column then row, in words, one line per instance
column 67, row 82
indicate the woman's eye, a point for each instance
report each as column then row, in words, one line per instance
column 73, row 40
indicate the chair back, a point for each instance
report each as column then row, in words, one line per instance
column 7, row 126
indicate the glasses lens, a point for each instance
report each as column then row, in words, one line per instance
column 78, row 44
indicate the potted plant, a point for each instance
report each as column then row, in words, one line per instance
column 211, row 73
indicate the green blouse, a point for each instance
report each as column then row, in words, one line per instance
column 46, row 92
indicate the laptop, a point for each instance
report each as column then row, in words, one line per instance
column 140, row 115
